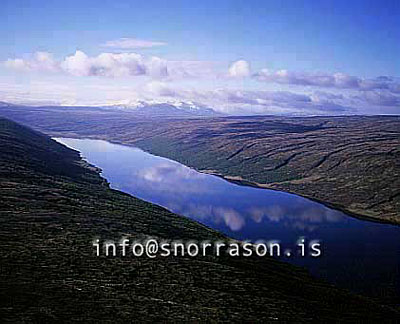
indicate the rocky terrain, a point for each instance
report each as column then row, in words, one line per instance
column 53, row 205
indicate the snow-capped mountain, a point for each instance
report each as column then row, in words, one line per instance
column 176, row 109
column 146, row 109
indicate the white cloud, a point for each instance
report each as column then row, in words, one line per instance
column 16, row 64
column 41, row 61
column 132, row 43
column 157, row 67
column 239, row 69
column 77, row 64
column 105, row 64
column 114, row 65
column 157, row 89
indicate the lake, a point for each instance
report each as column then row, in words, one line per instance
column 360, row 255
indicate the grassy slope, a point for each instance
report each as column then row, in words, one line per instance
column 52, row 205
column 352, row 163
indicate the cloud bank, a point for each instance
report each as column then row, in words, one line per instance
column 233, row 101
column 336, row 80
column 134, row 64
column 41, row 61
column 200, row 83
column 113, row 65
column 105, row 64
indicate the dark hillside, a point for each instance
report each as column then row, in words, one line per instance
column 53, row 205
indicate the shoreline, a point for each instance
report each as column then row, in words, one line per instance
column 247, row 183
column 243, row 182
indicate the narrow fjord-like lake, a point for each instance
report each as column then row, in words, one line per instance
column 361, row 255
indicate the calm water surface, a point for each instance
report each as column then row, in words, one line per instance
column 360, row 255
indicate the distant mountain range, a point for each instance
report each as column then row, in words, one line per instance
column 178, row 109
column 6, row 104
column 140, row 109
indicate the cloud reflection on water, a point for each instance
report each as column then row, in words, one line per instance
column 168, row 172
column 307, row 219
column 205, row 198
column 181, row 189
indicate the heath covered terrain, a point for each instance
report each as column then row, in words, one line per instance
column 349, row 162
column 52, row 206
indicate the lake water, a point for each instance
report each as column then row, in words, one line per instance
column 360, row 255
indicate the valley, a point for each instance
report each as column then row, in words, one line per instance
column 52, row 205
column 351, row 163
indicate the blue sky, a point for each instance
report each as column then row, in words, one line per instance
column 329, row 51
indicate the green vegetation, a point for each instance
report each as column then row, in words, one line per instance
column 53, row 205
